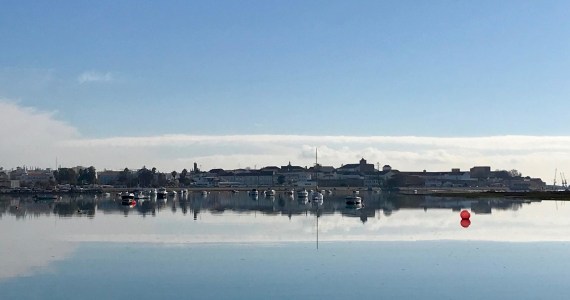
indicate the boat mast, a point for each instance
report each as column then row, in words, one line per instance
column 316, row 174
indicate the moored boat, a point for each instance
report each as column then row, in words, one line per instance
column 254, row 192
column 127, row 195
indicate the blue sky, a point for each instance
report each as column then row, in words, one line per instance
column 353, row 68
column 441, row 68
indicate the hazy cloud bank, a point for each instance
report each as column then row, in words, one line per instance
column 33, row 137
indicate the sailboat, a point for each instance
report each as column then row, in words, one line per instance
column 317, row 196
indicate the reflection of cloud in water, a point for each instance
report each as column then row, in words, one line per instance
column 24, row 257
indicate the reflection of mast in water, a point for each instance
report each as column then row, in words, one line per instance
column 317, row 213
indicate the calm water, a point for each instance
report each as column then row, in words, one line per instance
column 226, row 246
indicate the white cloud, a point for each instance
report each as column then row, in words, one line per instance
column 92, row 76
column 33, row 137
column 30, row 137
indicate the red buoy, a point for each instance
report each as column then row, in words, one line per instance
column 465, row 214
column 465, row 223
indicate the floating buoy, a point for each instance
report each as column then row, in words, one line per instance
column 465, row 214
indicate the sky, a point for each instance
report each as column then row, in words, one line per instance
column 250, row 83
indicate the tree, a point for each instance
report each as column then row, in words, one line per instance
column 183, row 178
column 124, row 176
column 91, row 175
column 145, row 177
column 502, row 174
column 65, row 176
column 515, row 173
column 174, row 173
column 281, row 179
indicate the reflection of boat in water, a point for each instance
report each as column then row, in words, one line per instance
column 302, row 193
column 45, row 197
column 356, row 206
column 129, row 202
column 161, row 193
column 317, row 197
column 140, row 195
column 353, row 199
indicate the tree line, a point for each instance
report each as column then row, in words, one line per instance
column 144, row 177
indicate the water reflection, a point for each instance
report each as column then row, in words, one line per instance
column 219, row 202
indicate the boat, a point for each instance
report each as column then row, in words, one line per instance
column 153, row 191
column 254, row 192
column 269, row 193
column 172, row 193
column 161, row 193
column 127, row 195
column 290, row 192
column 353, row 199
column 205, row 193
column 317, row 196
column 235, row 191
column 302, row 193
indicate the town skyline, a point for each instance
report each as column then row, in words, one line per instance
column 42, row 139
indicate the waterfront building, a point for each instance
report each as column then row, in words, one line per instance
column 361, row 167
column 108, row 177
column 252, row 178
column 37, row 177
column 480, row 172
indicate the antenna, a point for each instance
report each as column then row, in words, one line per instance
column 554, row 184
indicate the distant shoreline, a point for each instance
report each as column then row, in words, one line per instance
column 542, row 195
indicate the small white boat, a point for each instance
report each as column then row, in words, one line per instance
column 290, row 192
column 204, row 193
column 254, row 192
column 172, row 193
column 317, row 196
column 269, row 193
column 153, row 192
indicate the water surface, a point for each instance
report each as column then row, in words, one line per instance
column 228, row 246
